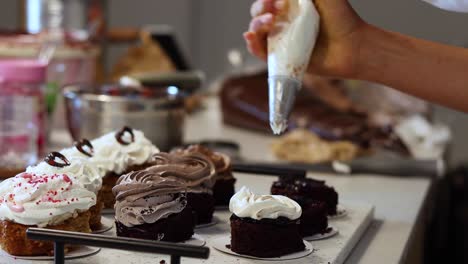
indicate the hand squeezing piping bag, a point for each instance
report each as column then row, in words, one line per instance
column 290, row 46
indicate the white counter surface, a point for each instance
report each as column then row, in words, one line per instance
column 398, row 201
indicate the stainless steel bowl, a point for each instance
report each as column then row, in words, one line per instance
column 91, row 113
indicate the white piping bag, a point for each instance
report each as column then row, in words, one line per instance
column 290, row 46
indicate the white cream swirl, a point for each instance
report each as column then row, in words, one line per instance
column 247, row 204
column 85, row 172
column 112, row 156
column 43, row 200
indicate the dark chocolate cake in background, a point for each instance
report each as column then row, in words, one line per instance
column 327, row 113
column 197, row 173
column 314, row 218
column 306, row 191
column 223, row 188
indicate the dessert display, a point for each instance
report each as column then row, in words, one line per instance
column 307, row 191
column 84, row 172
column 264, row 225
column 197, row 173
column 150, row 206
column 223, row 188
column 117, row 153
column 55, row 201
column 244, row 103
column 304, row 146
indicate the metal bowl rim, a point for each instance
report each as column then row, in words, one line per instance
column 71, row 92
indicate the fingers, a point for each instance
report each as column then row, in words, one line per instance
column 261, row 7
column 256, row 37
column 256, row 45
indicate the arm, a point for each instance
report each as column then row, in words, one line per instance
column 350, row 48
column 432, row 71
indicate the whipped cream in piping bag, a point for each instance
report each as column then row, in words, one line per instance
column 111, row 155
column 289, row 49
column 43, row 200
column 247, row 204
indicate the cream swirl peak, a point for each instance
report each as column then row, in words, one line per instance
column 247, row 204
column 146, row 197
column 42, row 200
column 85, row 172
column 221, row 161
column 116, row 151
column 194, row 170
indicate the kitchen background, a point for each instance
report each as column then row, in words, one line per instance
column 208, row 29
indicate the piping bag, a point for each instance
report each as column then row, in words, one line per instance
column 290, row 46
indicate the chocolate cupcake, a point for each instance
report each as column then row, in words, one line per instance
column 307, row 190
column 197, row 173
column 118, row 153
column 264, row 226
column 149, row 206
column 223, row 188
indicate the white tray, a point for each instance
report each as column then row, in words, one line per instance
column 333, row 250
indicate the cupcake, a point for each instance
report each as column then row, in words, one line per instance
column 82, row 170
column 118, row 153
column 54, row 201
column 223, row 188
column 307, row 190
column 264, row 226
column 197, row 173
column 149, row 206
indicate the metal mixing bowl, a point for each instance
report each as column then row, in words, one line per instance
column 92, row 112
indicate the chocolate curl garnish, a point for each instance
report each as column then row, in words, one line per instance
column 84, row 143
column 119, row 135
column 50, row 159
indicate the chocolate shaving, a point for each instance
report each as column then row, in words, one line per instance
column 50, row 159
column 84, row 143
column 119, row 135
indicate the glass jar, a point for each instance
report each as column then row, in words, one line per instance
column 22, row 115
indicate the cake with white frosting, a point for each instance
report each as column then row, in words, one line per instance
column 55, row 201
column 82, row 170
column 264, row 225
column 118, row 153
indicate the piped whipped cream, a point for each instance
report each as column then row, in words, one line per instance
column 110, row 155
column 43, row 200
column 247, row 204
column 81, row 169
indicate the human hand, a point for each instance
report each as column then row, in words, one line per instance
column 341, row 34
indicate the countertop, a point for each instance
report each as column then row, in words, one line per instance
column 399, row 202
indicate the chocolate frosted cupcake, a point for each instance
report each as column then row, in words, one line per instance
column 223, row 188
column 197, row 173
column 264, row 226
column 118, row 153
column 149, row 206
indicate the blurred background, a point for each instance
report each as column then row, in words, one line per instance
column 208, row 29
column 210, row 36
